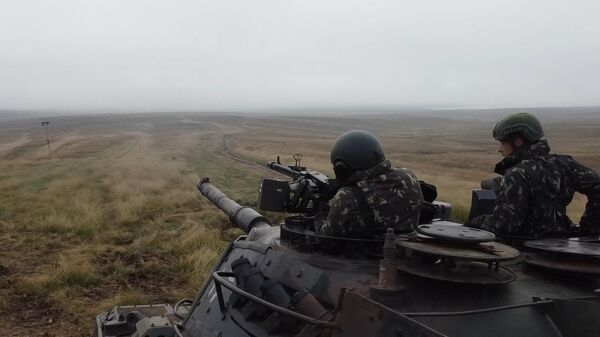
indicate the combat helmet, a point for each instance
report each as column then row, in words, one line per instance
column 355, row 150
column 522, row 123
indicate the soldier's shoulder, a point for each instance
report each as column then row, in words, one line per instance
column 558, row 161
column 573, row 165
column 343, row 199
column 402, row 171
column 565, row 158
column 344, row 193
column 406, row 175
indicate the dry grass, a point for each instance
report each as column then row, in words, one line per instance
column 110, row 219
column 114, row 218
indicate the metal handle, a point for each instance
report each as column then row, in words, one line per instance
column 218, row 277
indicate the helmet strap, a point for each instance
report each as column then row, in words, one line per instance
column 342, row 171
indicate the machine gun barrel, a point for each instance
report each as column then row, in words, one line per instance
column 284, row 170
column 243, row 217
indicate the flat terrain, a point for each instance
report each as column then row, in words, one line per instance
column 113, row 217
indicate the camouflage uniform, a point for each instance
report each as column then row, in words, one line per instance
column 373, row 200
column 534, row 193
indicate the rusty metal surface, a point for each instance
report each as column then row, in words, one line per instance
column 471, row 272
column 449, row 232
column 566, row 246
column 571, row 264
column 484, row 252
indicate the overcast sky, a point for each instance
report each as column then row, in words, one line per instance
column 268, row 54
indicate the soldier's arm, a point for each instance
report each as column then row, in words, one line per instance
column 339, row 213
column 512, row 204
column 588, row 183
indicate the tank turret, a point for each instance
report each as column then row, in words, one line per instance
column 442, row 280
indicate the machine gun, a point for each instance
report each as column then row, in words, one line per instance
column 309, row 191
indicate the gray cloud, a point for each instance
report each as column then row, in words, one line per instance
column 263, row 54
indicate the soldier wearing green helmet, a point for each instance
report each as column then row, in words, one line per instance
column 372, row 196
column 536, row 186
column 522, row 124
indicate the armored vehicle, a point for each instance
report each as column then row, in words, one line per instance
column 442, row 280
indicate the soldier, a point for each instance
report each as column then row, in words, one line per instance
column 373, row 195
column 537, row 186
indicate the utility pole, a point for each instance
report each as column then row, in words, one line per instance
column 45, row 125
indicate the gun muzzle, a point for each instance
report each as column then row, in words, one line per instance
column 284, row 170
column 243, row 217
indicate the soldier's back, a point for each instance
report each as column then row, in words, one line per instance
column 395, row 198
column 551, row 186
column 374, row 200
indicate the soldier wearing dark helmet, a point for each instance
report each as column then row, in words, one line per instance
column 373, row 195
column 537, row 186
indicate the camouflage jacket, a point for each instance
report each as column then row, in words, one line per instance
column 373, row 200
column 534, row 193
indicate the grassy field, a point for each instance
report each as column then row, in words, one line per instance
column 113, row 216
